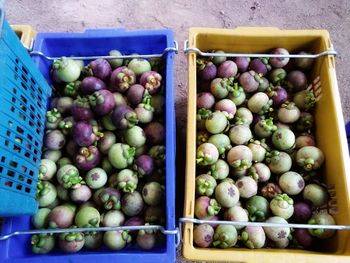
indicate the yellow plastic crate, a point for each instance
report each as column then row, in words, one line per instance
column 330, row 135
column 25, row 33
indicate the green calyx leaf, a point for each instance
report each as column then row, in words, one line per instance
column 214, row 207
column 93, row 100
column 236, row 90
column 239, row 120
column 82, row 102
column 99, row 99
column 244, row 236
column 260, row 215
column 129, row 152
column 125, row 235
column 273, row 157
column 310, row 100
column 71, row 89
column 39, row 241
column 43, row 169
column 240, row 165
column 131, row 118
column 253, row 173
column 204, row 113
column 306, row 163
column 265, row 60
column 266, row 108
column 268, row 125
column 121, row 185
column 249, row 244
column 130, row 187
column 216, row 243
column 59, row 63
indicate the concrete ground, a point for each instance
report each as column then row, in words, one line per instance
column 61, row 15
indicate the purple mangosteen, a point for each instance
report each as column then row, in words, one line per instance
column 240, row 157
column 296, row 80
column 151, row 80
column 249, row 80
column 124, row 117
column 87, row 158
column 260, row 66
column 304, row 63
column 102, row 102
column 99, row 68
column 205, row 100
column 144, row 165
column 83, row 133
column 122, row 78
column 71, row 242
column 302, row 212
column 242, row 63
column 227, row 69
column 54, row 140
column 206, row 69
column 155, row 132
column 91, row 84
column 279, row 62
column 203, row 235
column 227, row 106
column 278, row 95
column 207, row 154
column 61, row 217
column 136, row 93
column 204, row 207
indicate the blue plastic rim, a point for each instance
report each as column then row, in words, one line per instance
column 347, row 128
column 23, row 97
column 100, row 42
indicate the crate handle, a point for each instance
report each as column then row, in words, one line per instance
column 165, row 51
column 93, row 229
column 196, row 50
column 261, row 224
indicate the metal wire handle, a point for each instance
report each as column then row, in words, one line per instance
column 187, row 50
column 262, row 224
column 165, row 51
column 94, row 229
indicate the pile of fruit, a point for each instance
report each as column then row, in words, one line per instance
column 257, row 158
column 103, row 161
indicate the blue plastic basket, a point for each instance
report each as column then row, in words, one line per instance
column 23, row 97
column 99, row 42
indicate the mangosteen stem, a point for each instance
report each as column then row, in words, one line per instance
column 204, row 113
column 244, row 236
column 60, row 63
column 213, row 208
column 87, row 71
column 72, row 88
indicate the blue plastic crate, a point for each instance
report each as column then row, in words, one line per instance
column 100, row 42
column 23, row 98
